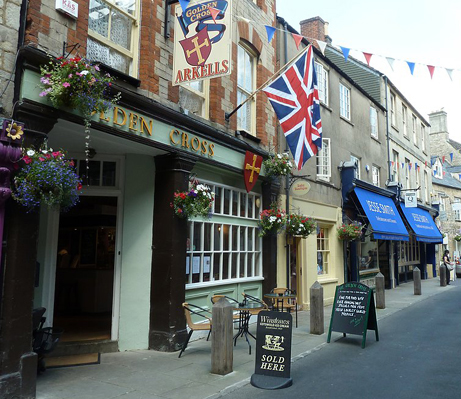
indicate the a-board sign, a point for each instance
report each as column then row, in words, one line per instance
column 273, row 350
column 353, row 311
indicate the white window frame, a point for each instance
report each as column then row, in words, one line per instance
column 418, row 183
column 404, row 120
column 426, row 186
column 375, row 175
column 344, row 101
column 357, row 170
column 407, row 174
column 438, row 169
column 395, row 168
column 251, row 103
column 374, row 122
column 393, row 104
column 324, row 160
column 323, row 249
column 456, row 213
column 409, row 252
column 322, row 82
column 203, row 95
column 132, row 54
column 423, row 137
column 414, row 126
column 239, row 222
column 441, row 197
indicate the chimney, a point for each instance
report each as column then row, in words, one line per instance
column 438, row 122
column 315, row 28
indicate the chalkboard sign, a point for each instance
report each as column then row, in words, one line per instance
column 273, row 351
column 353, row 311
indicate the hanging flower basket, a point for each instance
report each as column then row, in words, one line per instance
column 349, row 232
column 197, row 202
column 272, row 221
column 300, row 225
column 46, row 179
column 77, row 84
column 278, row 165
column 457, row 237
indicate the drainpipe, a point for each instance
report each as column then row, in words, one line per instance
column 387, row 134
column 287, row 177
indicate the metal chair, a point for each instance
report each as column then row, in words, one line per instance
column 190, row 309
column 288, row 304
column 251, row 298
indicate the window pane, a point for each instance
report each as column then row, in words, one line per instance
column 120, row 30
column 129, row 6
column 94, row 173
column 217, row 200
column 242, row 265
column 250, row 265
column 197, row 233
column 225, row 266
column 235, row 203
column 235, row 232
column 206, row 267
column 225, row 237
column 98, row 18
column 207, row 237
column 217, row 266
column 108, row 174
column 250, row 242
column 242, row 238
column 251, row 199
column 217, row 237
column 191, row 101
column 99, row 52
column 235, row 260
column 226, row 202
column 243, row 202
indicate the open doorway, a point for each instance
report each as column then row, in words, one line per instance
column 85, row 270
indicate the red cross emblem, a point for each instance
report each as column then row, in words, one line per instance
column 251, row 169
column 197, row 48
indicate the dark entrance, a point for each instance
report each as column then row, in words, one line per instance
column 85, row 270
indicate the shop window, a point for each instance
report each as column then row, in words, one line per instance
column 323, row 249
column 409, row 252
column 230, row 249
column 369, row 259
column 113, row 34
column 246, row 80
column 193, row 98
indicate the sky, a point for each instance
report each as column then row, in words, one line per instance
column 421, row 31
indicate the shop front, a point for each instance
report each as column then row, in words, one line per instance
column 114, row 270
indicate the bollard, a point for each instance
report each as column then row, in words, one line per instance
column 443, row 275
column 417, row 281
column 380, row 293
column 317, row 324
column 222, row 354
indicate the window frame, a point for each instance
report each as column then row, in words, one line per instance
column 404, row 120
column 393, row 105
column 375, row 175
column 414, row 127
column 407, row 174
column 395, row 168
column 323, row 247
column 204, row 95
column 322, row 82
column 426, row 188
column 132, row 54
column 321, row 158
column 374, row 130
column 357, row 170
column 251, row 103
column 344, row 101
column 423, row 137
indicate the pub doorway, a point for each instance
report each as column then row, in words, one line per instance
column 85, row 266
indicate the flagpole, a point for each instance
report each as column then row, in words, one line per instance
column 275, row 75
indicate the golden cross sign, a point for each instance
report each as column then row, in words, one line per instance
column 252, row 168
column 197, row 48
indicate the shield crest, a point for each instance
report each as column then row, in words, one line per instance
column 197, row 48
column 251, row 169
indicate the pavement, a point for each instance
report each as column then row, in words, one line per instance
column 145, row 374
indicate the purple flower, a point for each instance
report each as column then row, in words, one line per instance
column 45, row 81
column 45, row 92
column 66, row 84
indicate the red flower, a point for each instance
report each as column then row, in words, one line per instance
column 41, row 159
column 48, row 156
column 57, row 154
column 27, row 160
column 79, row 186
column 182, row 195
column 71, row 163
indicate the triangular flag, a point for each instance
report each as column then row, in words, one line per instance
column 443, row 159
column 431, row 70
column 416, row 165
column 444, row 173
column 451, row 156
column 419, row 167
column 397, row 165
column 345, row 52
column 450, row 73
column 434, row 172
column 411, row 65
column 184, row 4
column 425, row 164
column 214, row 13
column 459, row 176
column 368, row 57
column 403, row 165
column 297, row 39
column 391, row 60
column 322, row 45
column 409, row 166
column 392, row 162
column 270, row 32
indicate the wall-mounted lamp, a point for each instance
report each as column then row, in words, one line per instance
column 91, row 153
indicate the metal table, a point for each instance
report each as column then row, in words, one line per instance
column 244, row 310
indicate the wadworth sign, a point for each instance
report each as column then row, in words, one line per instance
column 202, row 42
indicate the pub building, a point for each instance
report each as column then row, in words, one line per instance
column 394, row 240
column 114, row 271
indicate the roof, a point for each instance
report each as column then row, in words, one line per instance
column 454, row 144
column 448, row 180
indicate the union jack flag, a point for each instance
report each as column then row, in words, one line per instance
column 295, row 99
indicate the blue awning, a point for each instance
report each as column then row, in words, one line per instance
column 382, row 215
column 422, row 224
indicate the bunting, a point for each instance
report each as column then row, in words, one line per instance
column 297, row 39
column 411, row 65
column 431, row 70
column 368, row 57
column 322, row 46
column 451, row 156
column 345, row 51
column 270, row 32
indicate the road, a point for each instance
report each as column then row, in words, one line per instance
column 417, row 356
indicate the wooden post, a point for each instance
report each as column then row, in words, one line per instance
column 380, row 293
column 443, row 275
column 317, row 324
column 417, row 280
column 222, row 354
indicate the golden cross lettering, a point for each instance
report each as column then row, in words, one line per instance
column 197, row 48
column 252, row 168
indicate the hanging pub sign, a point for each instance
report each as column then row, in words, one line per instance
column 251, row 169
column 353, row 311
column 202, row 41
column 273, row 350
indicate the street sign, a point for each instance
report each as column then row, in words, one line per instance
column 353, row 311
column 273, row 351
column 410, row 199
